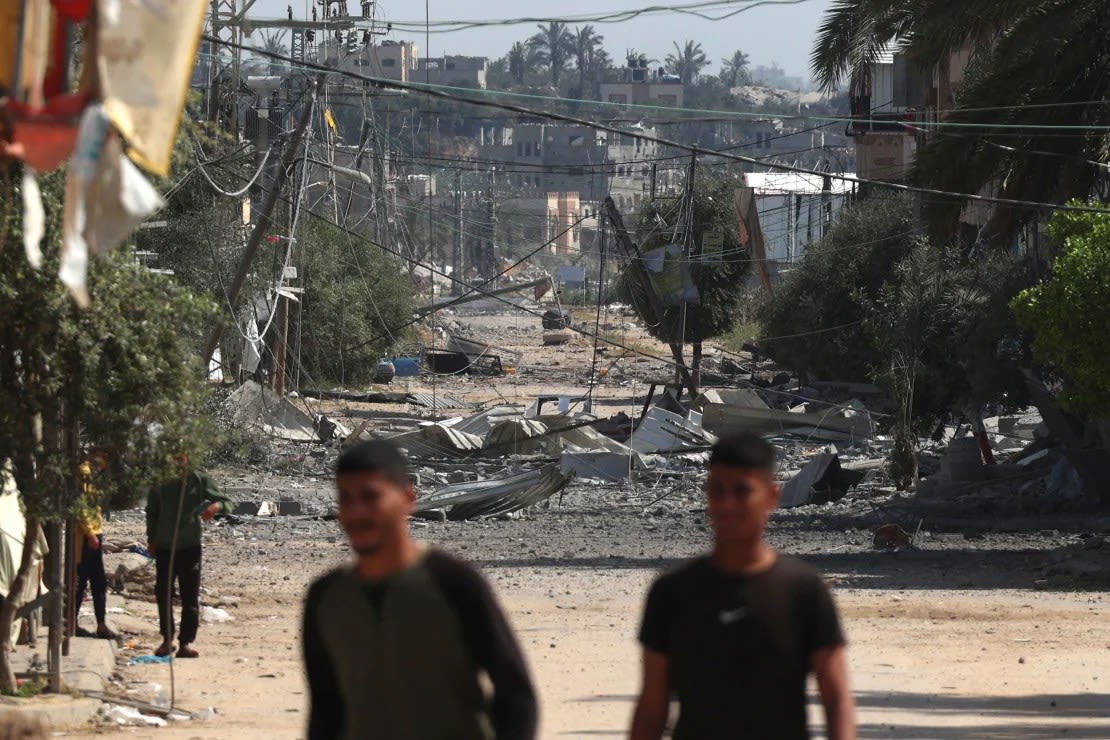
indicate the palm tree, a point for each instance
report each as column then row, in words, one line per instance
column 554, row 47
column 587, row 54
column 734, row 70
column 518, row 62
column 274, row 43
column 687, row 62
column 1034, row 66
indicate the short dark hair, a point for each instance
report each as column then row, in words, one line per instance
column 375, row 456
column 743, row 450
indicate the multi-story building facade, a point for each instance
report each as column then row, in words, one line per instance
column 636, row 84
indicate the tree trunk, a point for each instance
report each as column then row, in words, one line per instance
column 13, row 601
column 903, row 459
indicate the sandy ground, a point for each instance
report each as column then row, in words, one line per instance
column 950, row 640
column 928, row 661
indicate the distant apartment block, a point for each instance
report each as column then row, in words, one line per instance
column 400, row 60
column 639, row 85
column 454, row 71
column 540, row 159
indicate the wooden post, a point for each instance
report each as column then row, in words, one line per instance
column 57, row 606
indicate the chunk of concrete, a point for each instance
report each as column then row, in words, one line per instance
column 288, row 507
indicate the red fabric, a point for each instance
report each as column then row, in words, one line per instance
column 47, row 137
column 72, row 10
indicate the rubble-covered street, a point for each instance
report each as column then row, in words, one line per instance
column 973, row 610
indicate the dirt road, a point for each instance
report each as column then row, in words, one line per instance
column 929, row 659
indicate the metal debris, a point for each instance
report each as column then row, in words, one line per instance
column 495, row 496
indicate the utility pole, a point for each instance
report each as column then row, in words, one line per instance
column 687, row 237
column 457, row 242
column 292, row 150
column 597, row 320
column 826, row 204
column 639, row 272
column 490, row 250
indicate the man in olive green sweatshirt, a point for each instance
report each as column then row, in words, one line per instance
column 177, row 507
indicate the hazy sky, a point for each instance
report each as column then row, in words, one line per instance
column 769, row 33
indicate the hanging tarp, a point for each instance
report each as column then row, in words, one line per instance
column 751, row 233
column 145, row 57
column 13, row 529
column 669, row 272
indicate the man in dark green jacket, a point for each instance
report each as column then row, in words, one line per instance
column 174, row 512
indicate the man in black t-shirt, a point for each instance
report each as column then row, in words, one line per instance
column 735, row 634
column 395, row 644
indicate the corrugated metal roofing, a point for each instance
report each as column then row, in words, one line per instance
column 435, row 401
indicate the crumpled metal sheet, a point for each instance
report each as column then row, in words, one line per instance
column 496, row 496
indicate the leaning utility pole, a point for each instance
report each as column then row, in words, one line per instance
column 292, row 151
column 639, row 273
column 687, row 237
column 457, row 241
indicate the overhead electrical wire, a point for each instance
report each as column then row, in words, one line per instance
column 1060, row 129
column 394, row 84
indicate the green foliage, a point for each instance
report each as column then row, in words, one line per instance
column 872, row 302
column 1067, row 312
column 204, row 235
column 687, row 61
column 354, row 293
column 720, row 285
column 734, row 70
column 122, row 377
column 1006, row 87
column 856, row 257
column 554, row 48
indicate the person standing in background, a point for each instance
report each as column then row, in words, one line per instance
column 89, row 549
column 174, row 513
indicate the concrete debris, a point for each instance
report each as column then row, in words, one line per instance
column 133, row 573
column 1064, row 482
column 891, row 537
column 253, row 406
column 823, row 479
column 495, row 496
column 963, row 461
column 600, row 464
column 556, row 338
column 124, row 716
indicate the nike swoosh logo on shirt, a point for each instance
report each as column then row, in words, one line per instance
column 731, row 616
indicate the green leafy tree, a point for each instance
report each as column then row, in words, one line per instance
column 354, row 296
column 122, row 378
column 819, row 298
column 720, row 284
column 518, row 62
column 734, row 70
column 874, row 302
column 1067, row 312
column 554, row 48
column 687, row 61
